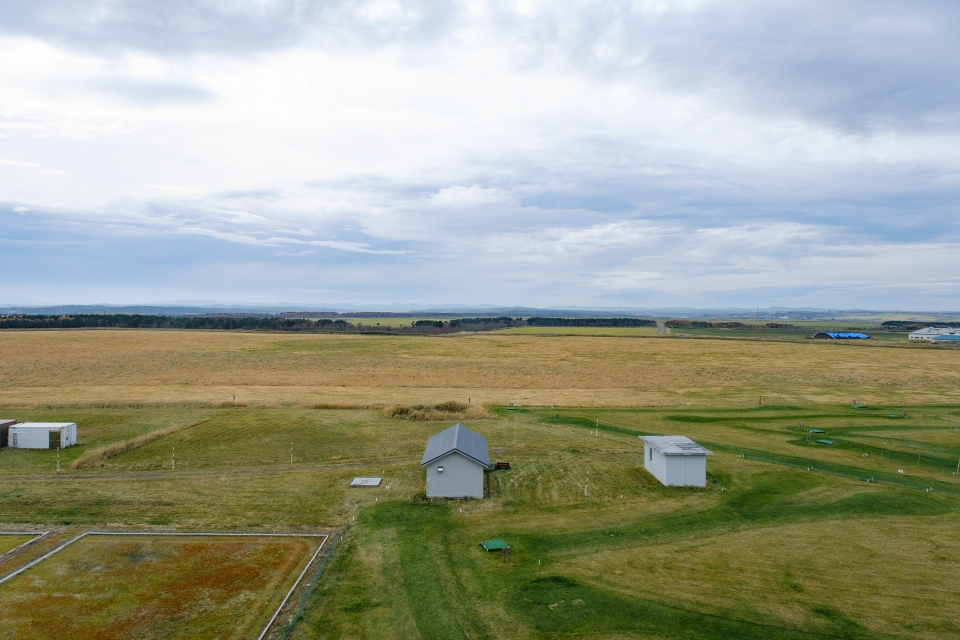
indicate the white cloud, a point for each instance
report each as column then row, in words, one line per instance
column 619, row 149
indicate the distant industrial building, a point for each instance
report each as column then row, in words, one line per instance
column 455, row 460
column 4, row 427
column 676, row 461
column 840, row 335
column 42, row 435
column 932, row 333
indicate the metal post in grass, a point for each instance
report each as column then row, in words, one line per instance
column 173, row 458
column 58, row 459
column 291, row 453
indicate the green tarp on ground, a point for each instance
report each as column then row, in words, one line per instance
column 815, row 431
column 825, row 441
column 494, row 545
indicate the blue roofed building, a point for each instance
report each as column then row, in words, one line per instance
column 840, row 335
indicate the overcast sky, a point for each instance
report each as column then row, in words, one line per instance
column 644, row 154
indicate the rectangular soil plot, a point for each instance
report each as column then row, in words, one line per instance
column 155, row 587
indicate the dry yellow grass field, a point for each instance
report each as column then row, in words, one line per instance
column 40, row 368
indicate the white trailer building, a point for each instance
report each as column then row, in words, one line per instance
column 42, row 435
column 455, row 460
column 676, row 461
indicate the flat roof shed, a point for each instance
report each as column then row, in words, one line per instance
column 676, row 461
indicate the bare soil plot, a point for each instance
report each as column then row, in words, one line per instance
column 155, row 587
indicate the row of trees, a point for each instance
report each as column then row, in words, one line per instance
column 274, row 323
column 703, row 324
column 913, row 325
column 138, row 321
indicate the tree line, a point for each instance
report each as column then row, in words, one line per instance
column 703, row 324
column 272, row 323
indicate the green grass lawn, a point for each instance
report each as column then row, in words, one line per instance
column 767, row 550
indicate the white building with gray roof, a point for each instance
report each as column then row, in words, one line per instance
column 676, row 461
column 455, row 460
column 933, row 333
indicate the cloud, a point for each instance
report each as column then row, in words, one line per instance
column 519, row 151
column 151, row 93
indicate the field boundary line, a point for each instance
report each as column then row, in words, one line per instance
column 198, row 473
column 293, row 588
column 41, row 558
column 36, row 536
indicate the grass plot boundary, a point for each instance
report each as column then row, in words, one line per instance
column 36, row 536
column 325, row 537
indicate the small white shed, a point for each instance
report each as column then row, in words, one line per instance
column 455, row 460
column 676, row 461
column 42, row 435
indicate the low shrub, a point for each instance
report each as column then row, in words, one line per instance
column 445, row 411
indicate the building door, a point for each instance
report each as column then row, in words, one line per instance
column 55, row 439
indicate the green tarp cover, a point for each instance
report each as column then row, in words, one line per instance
column 816, row 431
column 494, row 545
column 825, row 441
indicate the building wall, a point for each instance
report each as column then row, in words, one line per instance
column 676, row 471
column 461, row 477
column 39, row 437
column 931, row 333
column 656, row 463
column 4, row 427
column 23, row 438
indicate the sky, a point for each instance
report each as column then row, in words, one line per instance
column 646, row 154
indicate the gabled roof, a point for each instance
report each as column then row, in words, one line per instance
column 675, row 446
column 460, row 439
